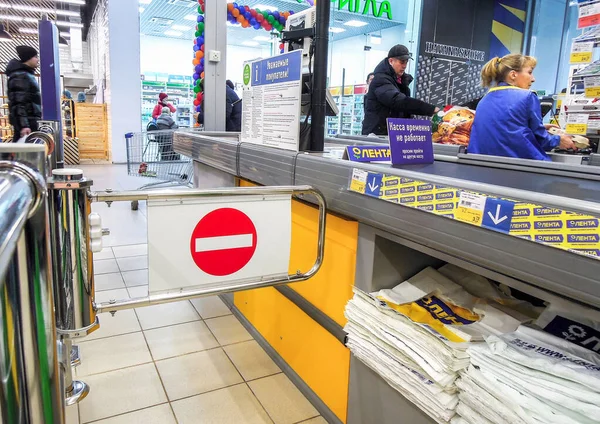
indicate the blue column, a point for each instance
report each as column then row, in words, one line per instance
column 50, row 81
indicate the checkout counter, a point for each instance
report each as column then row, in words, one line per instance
column 375, row 244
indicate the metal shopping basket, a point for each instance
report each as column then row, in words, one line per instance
column 150, row 154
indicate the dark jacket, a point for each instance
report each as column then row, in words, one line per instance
column 24, row 99
column 166, row 122
column 389, row 99
column 233, row 111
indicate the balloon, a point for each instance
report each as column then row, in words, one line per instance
column 291, row 12
column 200, row 18
column 253, row 13
column 196, row 48
column 240, row 19
column 271, row 19
column 201, row 26
column 276, row 15
column 196, row 89
column 196, row 102
column 195, row 62
column 260, row 18
column 202, row 47
column 202, row 75
column 201, row 40
column 202, row 61
column 235, row 13
column 199, row 97
column 199, row 83
column 197, row 68
column 247, row 8
column 252, row 21
column 200, row 10
column 256, row 25
column 197, row 33
column 199, row 55
column 196, row 76
column 235, row 5
column 198, row 109
column 230, row 6
column 282, row 20
column 266, row 14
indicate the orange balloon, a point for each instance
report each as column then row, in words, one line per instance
column 199, row 55
column 240, row 19
column 230, row 6
column 196, row 62
column 202, row 75
column 245, row 24
column 235, row 13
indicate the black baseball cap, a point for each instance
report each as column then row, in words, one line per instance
column 399, row 52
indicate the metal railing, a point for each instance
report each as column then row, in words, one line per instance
column 31, row 388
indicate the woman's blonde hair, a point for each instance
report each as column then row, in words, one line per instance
column 497, row 69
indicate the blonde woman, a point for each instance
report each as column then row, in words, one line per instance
column 509, row 118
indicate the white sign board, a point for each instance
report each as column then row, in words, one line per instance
column 194, row 243
column 271, row 101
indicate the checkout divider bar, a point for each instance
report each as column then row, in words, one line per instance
column 114, row 306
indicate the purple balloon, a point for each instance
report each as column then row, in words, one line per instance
column 196, row 76
column 196, row 48
column 200, row 18
column 198, row 108
column 198, row 69
column 202, row 61
column 275, row 14
column 282, row 20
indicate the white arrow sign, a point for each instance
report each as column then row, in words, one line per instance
column 373, row 186
column 497, row 219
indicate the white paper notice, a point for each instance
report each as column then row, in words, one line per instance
column 271, row 101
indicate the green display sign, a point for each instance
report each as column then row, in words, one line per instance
column 247, row 74
column 366, row 7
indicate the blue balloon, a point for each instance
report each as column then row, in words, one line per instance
column 253, row 21
column 196, row 48
column 276, row 14
column 248, row 16
column 241, row 9
column 196, row 76
column 202, row 61
column 229, row 16
column 201, row 70
column 200, row 18
column 291, row 12
column 198, row 109
column 198, row 69
column 282, row 20
column 200, row 41
column 235, row 5
column 256, row 26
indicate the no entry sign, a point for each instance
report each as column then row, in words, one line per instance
column 223, row 242
column 213, row 241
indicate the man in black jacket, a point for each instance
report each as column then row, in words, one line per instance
column 24, row 99
column 389, row 94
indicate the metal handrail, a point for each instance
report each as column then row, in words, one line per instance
column 114, row 306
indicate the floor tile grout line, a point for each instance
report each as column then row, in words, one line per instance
column 209, row 391
column 308, row 419
column 260, row 403
column 114, row 370
column 125, row 413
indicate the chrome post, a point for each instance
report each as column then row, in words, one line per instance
column 73, row 267
column 30, row 383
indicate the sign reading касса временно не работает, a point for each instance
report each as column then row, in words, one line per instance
column 410, row 141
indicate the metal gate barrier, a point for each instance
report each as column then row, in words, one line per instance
column 48, row 234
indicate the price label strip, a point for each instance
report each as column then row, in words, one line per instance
column 470, row 208
column 577, row 124
column 582, row 52
column 358, row 182
column 592, row 86
column 589, row 15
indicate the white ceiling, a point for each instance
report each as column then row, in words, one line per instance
column 174, row 15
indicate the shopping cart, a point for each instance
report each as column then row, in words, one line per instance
column 150, row 154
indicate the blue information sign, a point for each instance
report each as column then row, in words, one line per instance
column 410, row 141
column 497, row 214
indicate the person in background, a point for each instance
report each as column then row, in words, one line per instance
column 233, row 110
column 24, row 98
column 68, row 112
column 230, row 84
column 389, row 94
column 508, row 121
column 81, row 97
column 162, row 102
column 369, row 79
column 165, row 121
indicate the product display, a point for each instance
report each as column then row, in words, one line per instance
column 453, row 125
column 352, row 110
column 180, row 95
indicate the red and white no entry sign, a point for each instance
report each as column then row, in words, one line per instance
column 223, row 242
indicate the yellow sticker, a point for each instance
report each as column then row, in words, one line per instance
column 471, row 216
column 581, row 57
column 357, row 186
column 358, row 182
column 576, row 129
column 592, row 92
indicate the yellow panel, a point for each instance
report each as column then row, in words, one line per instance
column 510, row 38
column 311, row 351
column 331, row 288
column 517, row 12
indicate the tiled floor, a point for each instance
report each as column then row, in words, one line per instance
column 189, row 362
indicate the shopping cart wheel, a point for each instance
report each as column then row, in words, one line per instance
column 134, row 205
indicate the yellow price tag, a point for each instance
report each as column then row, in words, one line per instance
column 357, row 186
column 468, row 215
column 592, row 92
column 576, row 129
column 581, row 57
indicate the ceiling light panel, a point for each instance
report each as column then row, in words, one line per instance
column 355, row 23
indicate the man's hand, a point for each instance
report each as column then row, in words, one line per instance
column 566, row 143
column 25, row 131
column 549, row 126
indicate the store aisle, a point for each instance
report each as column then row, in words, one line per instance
column 187, row 362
